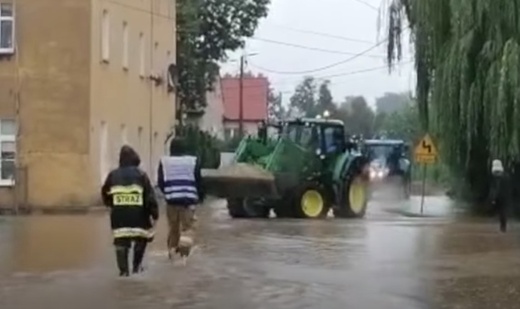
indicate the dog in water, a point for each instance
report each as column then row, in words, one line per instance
column 184, row 248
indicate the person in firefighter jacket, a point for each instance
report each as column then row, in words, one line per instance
column 128, row 193
column 179, row 179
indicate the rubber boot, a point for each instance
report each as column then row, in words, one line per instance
column 122, row 261
column 139, row 251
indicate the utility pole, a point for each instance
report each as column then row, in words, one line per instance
column 241, row 98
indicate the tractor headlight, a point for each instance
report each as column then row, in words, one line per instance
column 381, row 174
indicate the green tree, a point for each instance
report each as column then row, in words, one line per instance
column 357, row 115
column 402, row 124
column 276, row 110
column 311, row 100
column 391, row 102
column 304, row 97
column 325, row 100
column 468, row 80
column 206, row 30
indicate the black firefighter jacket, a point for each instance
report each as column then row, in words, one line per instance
column 129, row 194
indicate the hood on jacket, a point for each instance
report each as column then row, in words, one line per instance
column 128, row 157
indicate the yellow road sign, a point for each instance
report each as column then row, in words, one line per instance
column 425, row 152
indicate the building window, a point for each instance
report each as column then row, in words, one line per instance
column 105, row 36
column 125, row 45
column 229, row 133
column 156, row 146
column 124, row 135
column 142, row 67
column 104, row 158
column 155, row 52
column 6, row 28
column 7, row 151
column 140, row 138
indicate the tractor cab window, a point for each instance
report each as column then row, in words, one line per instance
column 379, row 151
column 303, row 135
column 309, row 137
column 334, row 139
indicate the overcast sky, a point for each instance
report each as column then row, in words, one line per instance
column 347, row 27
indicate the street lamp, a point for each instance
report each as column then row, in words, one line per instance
column 326, row 114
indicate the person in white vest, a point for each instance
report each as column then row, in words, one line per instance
column 500, row 193
column 179, row 179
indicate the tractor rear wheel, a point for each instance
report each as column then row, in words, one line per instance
column 311, row 201
column 354, row 194
column 243, row 208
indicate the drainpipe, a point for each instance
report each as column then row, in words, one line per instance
column 150, row 119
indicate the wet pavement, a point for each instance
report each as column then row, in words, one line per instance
column 388, row 260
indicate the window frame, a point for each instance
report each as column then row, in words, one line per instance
column 12, row 18
column 125, row 57
column 105, row 36
column 142, row 55
column 8, row 138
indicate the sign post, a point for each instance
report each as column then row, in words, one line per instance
column 425, row 153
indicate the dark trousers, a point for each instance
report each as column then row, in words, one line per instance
column 502, row 217
column 123, row 246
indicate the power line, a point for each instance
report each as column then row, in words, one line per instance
column 147, row 11
column 367, row 5
column 312, row 48
column 323, row 34
column 327, row 77
column 324, row 67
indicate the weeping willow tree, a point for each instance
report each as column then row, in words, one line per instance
column 467, row 60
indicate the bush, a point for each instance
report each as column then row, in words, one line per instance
column 201, row 144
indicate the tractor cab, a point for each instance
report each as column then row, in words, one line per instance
column 386, row 157
column 326, row 136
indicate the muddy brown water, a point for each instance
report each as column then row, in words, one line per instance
column 387, row 260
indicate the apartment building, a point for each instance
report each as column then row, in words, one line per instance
column 78, row 79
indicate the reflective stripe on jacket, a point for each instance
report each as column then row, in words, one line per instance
column 130, row 196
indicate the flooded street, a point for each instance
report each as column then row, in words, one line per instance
column 388, row 260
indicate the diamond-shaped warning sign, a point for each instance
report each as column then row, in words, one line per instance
column 425, row 152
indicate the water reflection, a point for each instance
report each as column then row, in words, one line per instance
column 51, row 243
column 384, row 261
column 483, row 266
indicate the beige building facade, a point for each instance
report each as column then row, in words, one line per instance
column 211, row 119
column 76, row 83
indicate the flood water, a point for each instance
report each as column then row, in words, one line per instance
column 387, row 260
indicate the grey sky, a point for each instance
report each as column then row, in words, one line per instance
column 345, row 18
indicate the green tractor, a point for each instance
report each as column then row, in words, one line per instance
column 389, row 164
column 304, row 171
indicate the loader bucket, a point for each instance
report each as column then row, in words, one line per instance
column 239, row 181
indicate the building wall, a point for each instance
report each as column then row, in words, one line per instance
column 212, row 120
column 124, row 99
column 66, row 92
column 7, row 111
column 53, row 68
column 231, row 128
